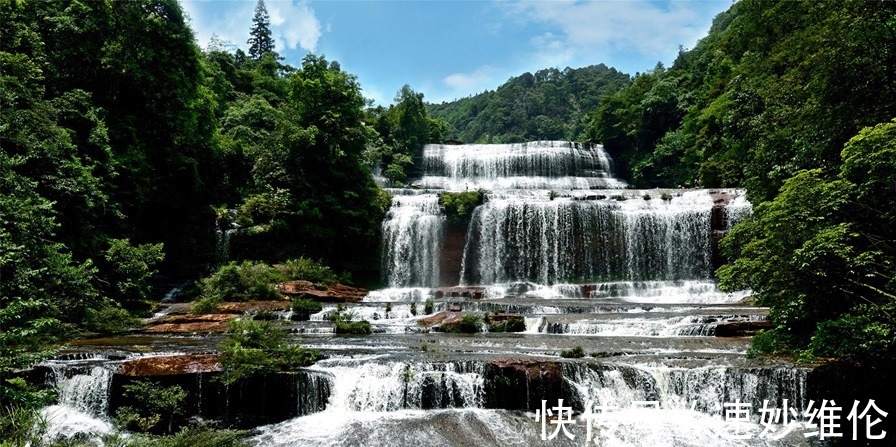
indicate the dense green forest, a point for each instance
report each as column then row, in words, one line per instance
column 123, row 143
column 549, row 105
column 793, row 101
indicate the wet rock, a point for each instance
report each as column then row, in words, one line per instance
column 171, row 365
column 332, row 293
column 459, row 292
column 190, row 323
column 741, row 328
column 521, row 384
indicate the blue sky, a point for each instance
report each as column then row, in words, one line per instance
column 453, row 49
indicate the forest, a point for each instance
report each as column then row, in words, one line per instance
column 125, row 145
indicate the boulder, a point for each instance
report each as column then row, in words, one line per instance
column 171, row 365
column 332, row 293
column 741, row 328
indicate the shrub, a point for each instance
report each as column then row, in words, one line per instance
column 513, row 324
column 414, row 308
column 647, row 197
column 469, row 324
column 460, row 205
column 574, row 353
column 666, row 196
column 308, row 270
column 159, row 406
column 428, row 306
column 193, row 437
column 619, row 198
column 238, row 282
column 257, row 347
column 353, row 327
column 109, row 319
column 304, row 307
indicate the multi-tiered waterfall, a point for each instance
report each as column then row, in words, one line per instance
column 625, row 276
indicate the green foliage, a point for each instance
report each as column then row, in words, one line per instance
column 129, row 268
column 459, row 206
column 194, row 437
column 548, row 105
column 414, row 308
column 264, row 207
column 304, row 307
column 109, row 319
column 159, row 406
column 258, row 347
column 260, row 39
column 512, row 324
column 428, row 306
column 818, row 255
column 238, row 282
column 402, row 131
column 308, row 270
column 353, row 327
column 469, row 324
column 574, row 353
column 743, row 108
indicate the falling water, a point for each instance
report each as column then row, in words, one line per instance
column 581, row 241
column 412, row 240
column 534, row 165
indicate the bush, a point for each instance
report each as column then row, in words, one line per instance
column 258, row 347
column 428, row 306
column 647, row 197
column 308, row 270
column 109, row 320
column 666, row 196
column 574, row 353
column 460, row 205
column 238, row 282
column 513, row 324
column 353, row 327
column 852, row 338
column 262, row 208
column 194, row 437
column 469, row 324
column 414, row 308
column 159, row 406
column 304, row 307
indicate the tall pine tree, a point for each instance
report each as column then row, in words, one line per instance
column 260, row 39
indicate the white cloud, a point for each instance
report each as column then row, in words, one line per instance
column 597, row 29
column 479, row 78
column 293, row 23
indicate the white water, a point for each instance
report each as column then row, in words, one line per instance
column 534, row 165
column 412, row 241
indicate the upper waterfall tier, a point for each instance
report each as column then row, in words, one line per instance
column 533, row 165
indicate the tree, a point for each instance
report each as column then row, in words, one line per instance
column 822, row 255
column 260, row 39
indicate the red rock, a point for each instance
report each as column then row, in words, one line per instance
column 171, row 365
column 191, row 323
column 334, row 292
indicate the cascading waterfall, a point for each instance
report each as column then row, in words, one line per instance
column 412, row 239
column 580, row 241
column 533, row 165
column 706, row 389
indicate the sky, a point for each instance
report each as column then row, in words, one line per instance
column 454, row 49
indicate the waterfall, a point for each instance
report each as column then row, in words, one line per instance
column 705, row 388
column 374, row 386
column 85, row 389
column 533, row 165
column 580, row 241
column 412, row 240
